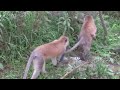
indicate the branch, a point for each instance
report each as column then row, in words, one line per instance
column 103, row 24
column 68, row 73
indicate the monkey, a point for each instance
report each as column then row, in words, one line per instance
column 42, row 53
column 88, row 28
column 86, row 35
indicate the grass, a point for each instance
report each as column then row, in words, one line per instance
column 17, row 40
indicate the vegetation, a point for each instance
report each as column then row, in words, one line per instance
column 21, row 32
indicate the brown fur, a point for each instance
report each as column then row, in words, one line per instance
column 87, row 34
column 44, row 52
column 52, row 49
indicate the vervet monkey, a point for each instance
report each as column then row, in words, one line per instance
column 42, row 53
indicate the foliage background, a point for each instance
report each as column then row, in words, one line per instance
column 21, row 32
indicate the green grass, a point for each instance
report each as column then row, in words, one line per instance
column 17, row 41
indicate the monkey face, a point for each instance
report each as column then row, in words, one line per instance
column 65, row 40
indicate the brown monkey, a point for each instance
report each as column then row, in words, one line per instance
column 44, row 52
column 88, row 28
column 87, row 34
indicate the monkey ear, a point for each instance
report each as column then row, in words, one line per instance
column 66, row 40
column 93, row 36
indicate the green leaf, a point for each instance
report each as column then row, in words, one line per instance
column 68, row 24
column 46, row 18
column 71, row 28
column 1, row 66
column 1, row 25
column 61, row 18
column 64, row 23
column 114, row 25
column 59, row 22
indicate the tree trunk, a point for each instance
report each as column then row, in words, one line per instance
column 104, row 26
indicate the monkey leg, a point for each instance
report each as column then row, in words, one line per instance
column 82, row 56
column 43, row 68
column 61, row 57
column 37, row 65
column 54, row 61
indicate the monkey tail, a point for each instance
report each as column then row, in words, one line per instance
column 28, row 66
column 74, row 47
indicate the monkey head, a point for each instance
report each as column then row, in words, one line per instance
column 65, row 40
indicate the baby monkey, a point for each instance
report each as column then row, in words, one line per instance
column 42, row 53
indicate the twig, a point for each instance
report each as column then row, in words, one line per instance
column 68, row 73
